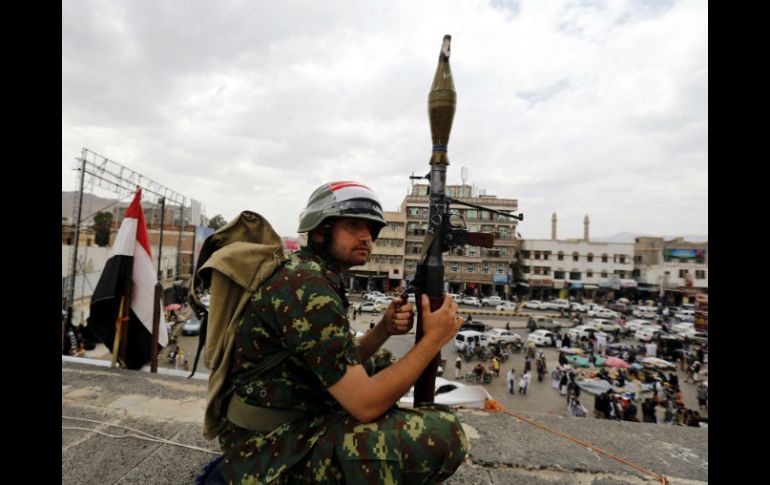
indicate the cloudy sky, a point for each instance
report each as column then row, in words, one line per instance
column 573, row 107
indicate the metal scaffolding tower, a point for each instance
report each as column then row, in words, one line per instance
column 99, row 171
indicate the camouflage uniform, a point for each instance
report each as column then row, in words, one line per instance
column 302, row 308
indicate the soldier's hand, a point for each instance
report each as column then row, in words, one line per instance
column 398, row 319
column 443, row 324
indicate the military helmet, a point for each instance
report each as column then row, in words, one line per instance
column 342, row 199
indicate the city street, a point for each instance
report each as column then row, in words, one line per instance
column 540, row 398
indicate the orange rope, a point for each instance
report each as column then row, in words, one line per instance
column 494, row 406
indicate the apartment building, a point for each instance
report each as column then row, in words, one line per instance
column 675, row 270
column 469, row 269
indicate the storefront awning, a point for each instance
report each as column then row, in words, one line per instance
column 590, row 287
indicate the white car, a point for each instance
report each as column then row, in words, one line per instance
column 491, row 301
column 370, row 307
column 647, row 333
column 603, row 313
column 506, row 306
column 556, row 305
column 455, row 297
column 383, row 300
column 453, row 393
column 645, row 312
column 604, row 325
column 685, row 315
column 578, row 307
column 542, row 337
column 464, row 338
column 470, row 300
column 583, row 331
column 501, row 335
column 700, row 337
column 634, row 325
column 682, row 327
column 374, row 294
column 534, row 304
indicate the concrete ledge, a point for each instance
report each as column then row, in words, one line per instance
column 503, row 449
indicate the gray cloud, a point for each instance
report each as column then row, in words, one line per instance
column 575, row 107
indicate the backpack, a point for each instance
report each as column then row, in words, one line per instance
column 233, row 262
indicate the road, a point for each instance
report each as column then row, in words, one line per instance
column 541, row 397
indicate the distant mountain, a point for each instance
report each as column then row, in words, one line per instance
column 628, row 237
column 91, row 205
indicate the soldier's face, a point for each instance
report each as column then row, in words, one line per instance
column 351, row 242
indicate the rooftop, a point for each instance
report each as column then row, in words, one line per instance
column 503, row 449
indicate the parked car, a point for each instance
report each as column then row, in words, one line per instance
column 700, row 337
column 192, row 326
column 646, row 333
column 577, row 307
column 550, row 324
column 557, row 304
column 685, row 315
column 604, row 325
column 534, row 305
column 648, row 312
column 542, row 337
column 633, row 325
column 370, row 307
column 501, row 335
column 619, row 307
column 465, row 338
column 480, row 327
column 455, row 297
column 682, row 327
column 583, row 331
column 506, row 306
column 491, row 301
column 603, row 313
column 374, row 294
column 453, row 393
column 383, row 300
column 470, row 300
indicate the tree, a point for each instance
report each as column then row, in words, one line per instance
column 102, row 226
column 217, row 221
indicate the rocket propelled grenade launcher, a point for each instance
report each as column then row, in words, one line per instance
column 441, row 236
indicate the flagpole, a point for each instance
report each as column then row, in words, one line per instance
column 116, row 341
column 155, row 329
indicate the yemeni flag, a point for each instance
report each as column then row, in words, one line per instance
column 129, row 255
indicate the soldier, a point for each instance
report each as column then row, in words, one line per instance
column 326, row 412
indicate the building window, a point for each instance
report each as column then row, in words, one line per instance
column 560, row 256
column 537, row 254
column 537, row 270
column 638, row 259
column 604, row 274
column 589, row 274
column 500, row 269
column 636, row 273
column 525, row 255
column 454, row 267
column 575, row 256
column 558, row 275
column 590, row 257
column 169, row 273
column 471, row 214
column 683, row 273
column 470, row 268
column 546, row 255
column 604, row 258
column 547, row 271
column 622, row 258
column 622, row 274
column 485, row 268
column 473, row 251
column 574, row 275
column 525, row 269
column 411, row 265
column 700, row 274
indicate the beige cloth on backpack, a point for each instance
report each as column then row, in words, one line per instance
column 234, row 261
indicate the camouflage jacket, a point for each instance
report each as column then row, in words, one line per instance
column 301, row 308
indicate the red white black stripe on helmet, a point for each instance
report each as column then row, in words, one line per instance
column 347, row 190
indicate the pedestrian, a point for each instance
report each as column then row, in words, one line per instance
column 507, row 325
column 566, row 342
column 562, row 358
column 600, row 406
column 371, row 324
column 563, row 384
column 555, row 378
column 321, row 395
column 511, row 378
column 524, row 382
column 496, row 366
column 458, row 367
column 701, row 355
column 703, row 395
column 575, row 409
column 648, row 411
column 527, row 364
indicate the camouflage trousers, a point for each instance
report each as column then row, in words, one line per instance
column 405, row 446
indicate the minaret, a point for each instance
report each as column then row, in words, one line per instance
column 585, row 229
column 553, row 227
